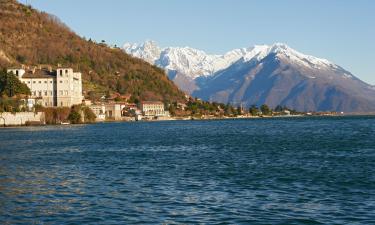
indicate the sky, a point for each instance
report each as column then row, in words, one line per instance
column 342, row 31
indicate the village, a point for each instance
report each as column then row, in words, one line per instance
column 62, row 88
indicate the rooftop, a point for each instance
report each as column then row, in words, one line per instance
column 41, row 71
column 152, row 102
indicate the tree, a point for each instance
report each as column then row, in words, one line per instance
column 56, row 115
column 89, row 115
column 228, row 110
column 265, row 109
column 279, row 108
column 21, row 59
column 10, row 85
column 172, row 109
column 94, row 96
column 254, row 111
column 134, row 99
column 13, row 104
column 75, row 117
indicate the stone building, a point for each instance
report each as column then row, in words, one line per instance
column 51, row 88
column 153, row 108
column 107, row 111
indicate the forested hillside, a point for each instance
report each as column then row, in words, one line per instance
column 30, row 37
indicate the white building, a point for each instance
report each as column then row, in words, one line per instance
column 153, row 109
column 60, row 87
column 99, row 111
column 110, row 111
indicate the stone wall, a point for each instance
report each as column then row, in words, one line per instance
column 21, row 118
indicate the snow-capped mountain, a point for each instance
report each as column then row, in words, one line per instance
column 196, row 63
column 189, row 61
column 272, row 74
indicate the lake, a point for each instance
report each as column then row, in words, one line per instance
column 318, row 170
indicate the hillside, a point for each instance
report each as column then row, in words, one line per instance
column 30, row 37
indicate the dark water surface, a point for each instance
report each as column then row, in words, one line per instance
column 261, row 171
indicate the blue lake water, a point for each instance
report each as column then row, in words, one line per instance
column 259, row 171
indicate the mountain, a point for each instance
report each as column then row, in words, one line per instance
column 273, row 75
column 183, row 65
column 31, row 37
column 191, row 62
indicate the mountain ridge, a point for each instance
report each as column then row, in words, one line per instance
column 261, row 75
column 206, row 63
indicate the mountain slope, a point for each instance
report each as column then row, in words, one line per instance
column 183, row 65
column 191, row 62
column 286, row 77
column 30, row 37
column 275, row 75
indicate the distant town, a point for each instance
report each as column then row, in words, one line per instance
column 55, row 96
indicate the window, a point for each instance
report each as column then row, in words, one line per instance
column 34, row 82
column 50, row 93
column 66, row 92
column 45, row 81
column 61, row 93
column 17, row 72
column 61, row 103
column 28, row 82
column 45, row 93
column 61, row 81
column 51, row 82
column 40, row 82
column 61, row 73
column 46, row 103
column 66, row 71
column 40, row 93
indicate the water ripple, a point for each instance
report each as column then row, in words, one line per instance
column 273, row 171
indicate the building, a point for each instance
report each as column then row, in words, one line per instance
column 129, row 111
column 107, row 111
column 153, row 109
column 113, row 111
column 50, row 88
column 286, row 112
column 99, row 111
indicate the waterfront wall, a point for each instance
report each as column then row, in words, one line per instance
column 21, row 118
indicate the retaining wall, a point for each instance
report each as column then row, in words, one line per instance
column 21, row 118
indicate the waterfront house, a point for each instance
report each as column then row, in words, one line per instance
column 99, row 111
column 107, row 111
column 51, row 88
column 153, row 109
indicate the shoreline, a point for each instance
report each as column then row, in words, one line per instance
column 192, row 119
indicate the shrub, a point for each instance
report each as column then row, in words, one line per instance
column 89, row 115
column 75, row 117
column 56, row 115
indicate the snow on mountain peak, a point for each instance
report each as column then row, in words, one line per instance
column 281, row 49
column 195, row 63
column 148, row 51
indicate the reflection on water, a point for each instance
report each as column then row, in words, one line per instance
column 240, row 172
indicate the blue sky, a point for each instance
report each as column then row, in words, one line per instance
column 342, row 31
